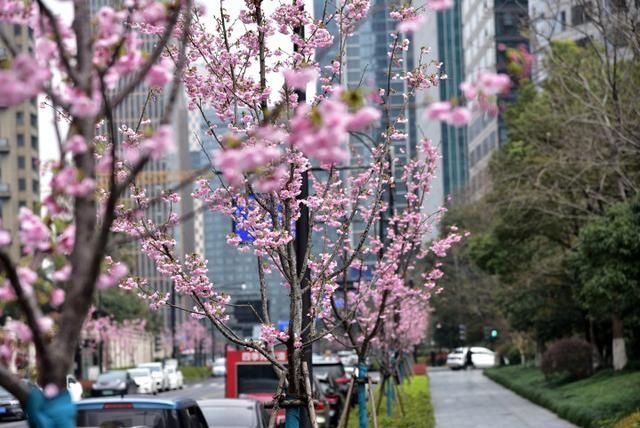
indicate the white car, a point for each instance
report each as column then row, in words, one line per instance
column 219, row 367
column 175, row 377
column 482, row 358
column 75, row 388
column 142, row 377
column 160, row 378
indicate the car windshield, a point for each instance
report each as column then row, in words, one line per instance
column 111, row 376
column 332, row 370
column 229, row 416
column 152, row 368
column 121, row 418
column 139, row 372
column 4, row 393
column 256, row 378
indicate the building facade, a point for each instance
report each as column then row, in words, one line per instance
column 146, row 104
column 455, row 154
column 19, row 147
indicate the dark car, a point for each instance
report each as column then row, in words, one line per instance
column 329, row 391
column 234, row 413
column 114, row 383
column 10, row 406
column 331, row 368
column 139, row 412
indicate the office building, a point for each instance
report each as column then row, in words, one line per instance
column 232, row 272
column 455, row 154
column 158, row 176
column 478, row 31
column 19, row 157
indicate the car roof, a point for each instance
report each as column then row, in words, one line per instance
column 138, row 402
column 227, row 402
column 322, row 360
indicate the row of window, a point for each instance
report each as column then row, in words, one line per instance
column 22, row 185
column 488, row 144
column 21, row 141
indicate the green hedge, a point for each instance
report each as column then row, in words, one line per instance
column 191, row 373
column 417, row 405
column 595, row 402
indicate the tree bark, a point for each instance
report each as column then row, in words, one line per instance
column 618, row 345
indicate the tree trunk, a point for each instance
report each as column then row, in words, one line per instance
column 618, row 345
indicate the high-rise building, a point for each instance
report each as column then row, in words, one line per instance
column 232, row 272
column 158, row 176
column 19, row 161
column 478, row 30
column 455, row 154
column 511, row 20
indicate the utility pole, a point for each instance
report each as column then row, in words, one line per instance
column 301, row 244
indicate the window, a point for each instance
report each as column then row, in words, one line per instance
column 22, row 204
column 34, row 142
column 35, row 186
column 22, row 184
column 35, row 163
column 17, row 30
column 20, row 139
column 20, row 118
column 21, row 162
column 563, row 20
column 33, row 118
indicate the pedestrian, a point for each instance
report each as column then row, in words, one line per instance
column 468, row 360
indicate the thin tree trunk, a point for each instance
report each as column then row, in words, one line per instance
column 618, row 345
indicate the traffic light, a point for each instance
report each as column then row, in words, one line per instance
column 462, row 331
column 494, row 334
column 157, row 342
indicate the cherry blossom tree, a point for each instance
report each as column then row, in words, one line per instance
column 282, row 161
column 85, row 70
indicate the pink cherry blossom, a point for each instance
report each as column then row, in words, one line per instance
column 83, row 106
column 439, row 110
column 493, row 83
column 439, row 5
column 61, row 275
column 67, row 239
column 76, row 145
column 20, row 329
column 56, row 298
column 33, row 234
column 160, row 74
column 468, row 90
column 160, row 144
column 460, row 116
column 298, row 79
column 5, row 236
column 363, row 118
column 411, row 25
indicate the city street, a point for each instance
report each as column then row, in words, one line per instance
column 200, row 390
column 468, row 399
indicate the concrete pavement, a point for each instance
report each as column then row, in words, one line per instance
column 468, row 399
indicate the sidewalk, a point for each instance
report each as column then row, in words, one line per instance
column 467, row 399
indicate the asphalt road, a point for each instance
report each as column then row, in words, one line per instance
column 201, row 390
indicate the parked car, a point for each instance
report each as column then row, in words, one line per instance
column 335, row 400
column 143, row 379
column 175, row 378
column 75, row 388
column 9, row 406
column 482, row 358
column 321, row 405
column 219, row 367
column 117, row 382
column 333, row 369
column 139, row 412
column 159, row 376
column 234, row 412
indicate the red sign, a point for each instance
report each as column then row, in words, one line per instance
column 249, row 373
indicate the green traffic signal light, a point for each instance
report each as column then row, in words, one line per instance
column 494, row 333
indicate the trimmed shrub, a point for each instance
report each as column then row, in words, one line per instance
column 631, row 421
column 567, row 359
